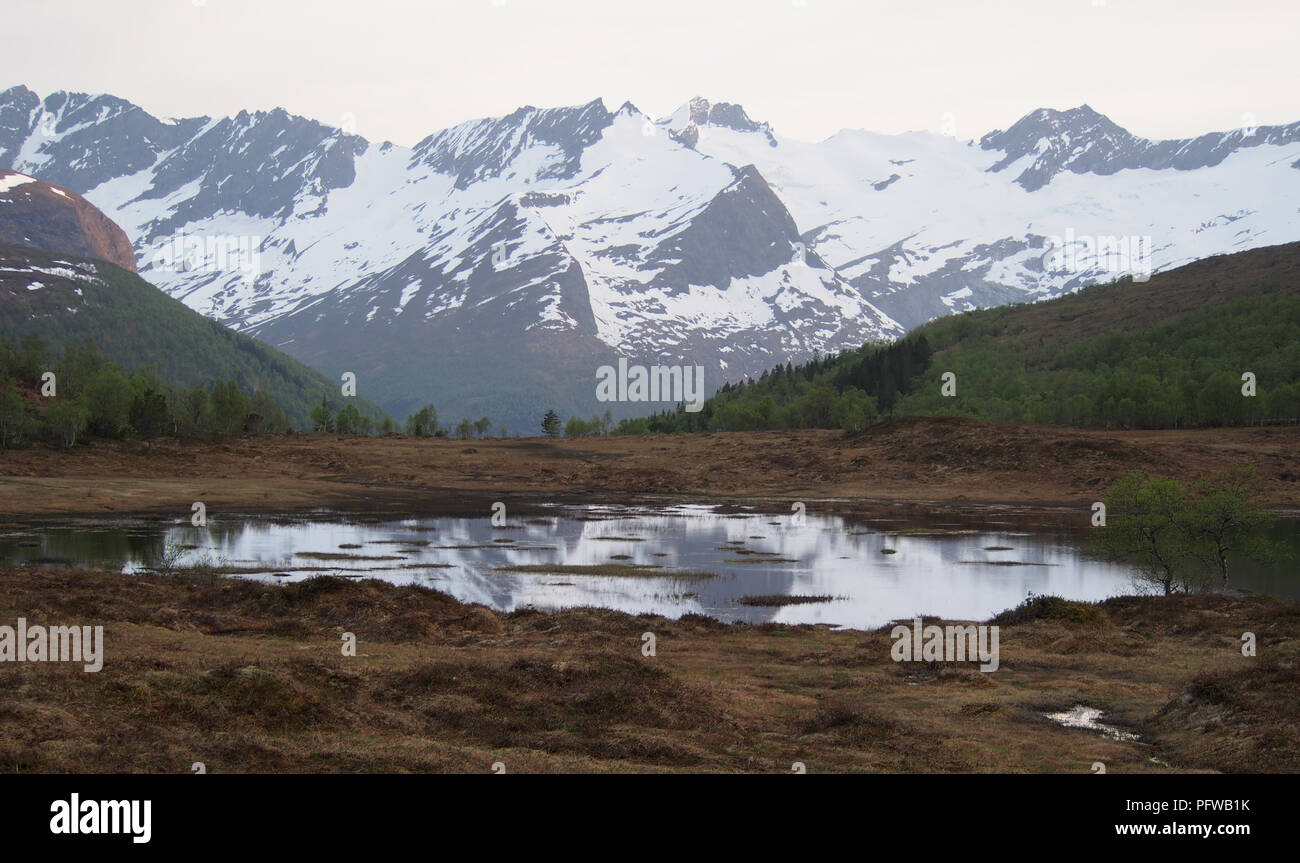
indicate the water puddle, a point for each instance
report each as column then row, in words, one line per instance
column 1089, row 719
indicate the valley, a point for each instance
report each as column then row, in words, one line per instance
column 886, row 390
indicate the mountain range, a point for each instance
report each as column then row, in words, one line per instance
column 495, row 266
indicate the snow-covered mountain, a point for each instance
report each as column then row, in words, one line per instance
column 493, row 267
column 924, row 225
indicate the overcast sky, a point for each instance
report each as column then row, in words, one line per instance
column 401, row 69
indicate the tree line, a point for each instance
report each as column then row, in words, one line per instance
column 848, row 391
column 424, row 423
column 78, row 394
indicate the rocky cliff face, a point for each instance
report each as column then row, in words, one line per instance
column 56, row 219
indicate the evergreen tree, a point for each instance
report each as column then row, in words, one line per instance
column 322, row 418
column 551, row 424
column 348, row 421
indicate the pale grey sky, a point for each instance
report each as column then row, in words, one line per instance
column 404, row 69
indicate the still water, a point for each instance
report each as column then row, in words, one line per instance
column 730, row 565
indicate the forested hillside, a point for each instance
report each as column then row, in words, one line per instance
column 70, row 302
column 1167, row 353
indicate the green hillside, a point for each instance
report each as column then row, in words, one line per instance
column 1170, row 352
column 140, row 328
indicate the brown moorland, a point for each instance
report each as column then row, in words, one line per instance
column 243, row 676
column 939, row 462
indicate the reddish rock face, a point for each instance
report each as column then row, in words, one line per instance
column 56, row 219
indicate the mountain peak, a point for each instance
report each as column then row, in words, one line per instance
column 1078, row 139
column 1081, row 140
column 1050, row 121
column 692, row 121
column 727, row 115
column 18, row 92
column 484, row 148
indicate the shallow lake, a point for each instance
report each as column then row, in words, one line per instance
column 746, row 565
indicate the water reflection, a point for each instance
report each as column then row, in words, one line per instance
column 874, row 571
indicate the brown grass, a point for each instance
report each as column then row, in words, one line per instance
column 934, row 463
column 246, row 676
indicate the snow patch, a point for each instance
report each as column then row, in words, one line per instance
column 13, row 181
